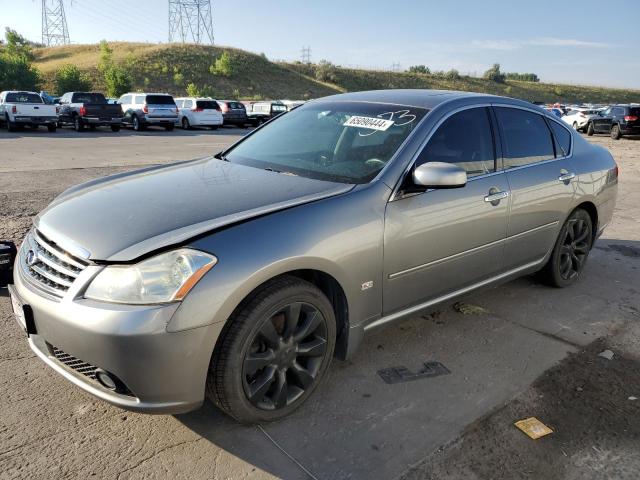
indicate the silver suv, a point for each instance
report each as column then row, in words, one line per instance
column 144, row 109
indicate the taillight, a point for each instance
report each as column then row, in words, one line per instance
column 83, row 111
column 145, row 108
column 196, row 109
column 630, row 118
column 14, row 109
column 57, row 110
column 224, row 107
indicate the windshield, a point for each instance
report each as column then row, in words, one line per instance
column 23, row 97
column 348, row 142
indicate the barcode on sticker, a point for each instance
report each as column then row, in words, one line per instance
column 369, row 122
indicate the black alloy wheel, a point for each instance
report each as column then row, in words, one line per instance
column 571, row 250
column 274, row 351
column 285, row 356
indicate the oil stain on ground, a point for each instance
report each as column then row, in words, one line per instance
column 591, row 403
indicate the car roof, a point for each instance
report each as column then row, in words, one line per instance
column 410, row 97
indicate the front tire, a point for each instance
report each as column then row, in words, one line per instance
column 590, row 130
column 52, row 128
column 616, row 134
column 168, row 128
column 115, row 128
column 570, row 252
column 274, row 351
column 575, row 126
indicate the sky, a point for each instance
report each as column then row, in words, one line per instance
column 565, row 41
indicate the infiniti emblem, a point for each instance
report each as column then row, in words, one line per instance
column 32, row 258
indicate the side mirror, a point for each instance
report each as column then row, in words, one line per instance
column 439, row 175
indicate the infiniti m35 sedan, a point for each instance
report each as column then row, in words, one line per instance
column 237, row 278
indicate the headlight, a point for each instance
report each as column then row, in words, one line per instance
column 164, row 278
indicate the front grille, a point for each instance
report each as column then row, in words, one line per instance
column 75, row 364
column 48, row 266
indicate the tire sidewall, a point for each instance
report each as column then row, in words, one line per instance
column 555, row 256
column 243, row 409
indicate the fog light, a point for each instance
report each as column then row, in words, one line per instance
column 106, row 380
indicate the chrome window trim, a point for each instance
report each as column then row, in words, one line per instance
column 394, row 194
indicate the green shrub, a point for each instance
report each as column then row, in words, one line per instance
column 326, row 71
column 494, row 74
column 452, row 74
column 69, row 78
column 419, row 69
column 117, row 81
column 225, row 65
column 178, row 79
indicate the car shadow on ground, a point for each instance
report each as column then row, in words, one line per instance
column 357, row 426
column 68, row 132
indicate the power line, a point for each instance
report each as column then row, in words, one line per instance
column 54, row 23
column 190, row 21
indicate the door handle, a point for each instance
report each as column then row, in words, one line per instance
column 495, row 197
column 566, row 177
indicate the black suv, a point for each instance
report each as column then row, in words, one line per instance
column 617, row 120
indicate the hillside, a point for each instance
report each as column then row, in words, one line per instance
column 170, row 67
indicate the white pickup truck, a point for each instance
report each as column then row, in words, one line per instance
column 26, row 108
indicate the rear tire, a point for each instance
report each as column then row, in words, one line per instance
column 274, row 351
column 213, row 127
column 616, row 134
column 11, row 126
column 590, row 130
column 115, row 128
column 52, row 128
column 570, row 252
column 78, row 126
column 575, row 126
column 168, row 128
column 185, row 123
column 137, row 125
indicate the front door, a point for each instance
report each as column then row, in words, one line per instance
column 442, row 240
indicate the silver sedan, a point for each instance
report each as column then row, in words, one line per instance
column 239, row 277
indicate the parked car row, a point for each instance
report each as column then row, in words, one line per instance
column 139, row 110
column 615, row 120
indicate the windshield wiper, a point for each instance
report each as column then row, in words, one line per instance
column 269, row 169
column 220, row 156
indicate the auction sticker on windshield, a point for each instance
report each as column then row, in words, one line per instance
column 368, row 122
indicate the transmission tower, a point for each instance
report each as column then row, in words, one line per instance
column 190, row 21
column 54, row 23
column 306, row 54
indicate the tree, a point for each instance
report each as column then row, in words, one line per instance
column 117, row 80
column 452, row 74
column 419, row 69
column 326, row 71
column 17, row 46
column 69, row 78
column 105, row 60
column 494, row 74
column 17, row 73
column 193, row 90
column 523, row 77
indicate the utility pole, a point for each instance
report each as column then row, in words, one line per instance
column 54, row 23
column 395, row 67
column 190, row 21
column 306, row 54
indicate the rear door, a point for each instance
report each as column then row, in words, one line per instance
column 208, row 110
column 443, row 240
column 161, row 107
column 540, row 175
column 602, row 122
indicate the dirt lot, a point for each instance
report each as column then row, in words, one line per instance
column 524, row 353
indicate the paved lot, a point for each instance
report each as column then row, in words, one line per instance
column 355, row 426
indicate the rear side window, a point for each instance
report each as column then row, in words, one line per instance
column 526, row 139
column 179, row 103
column 188, row 104
column 207, row 105
column 125, row 100
column 465, row 139
column 138, row 100
column 160, row 100
column 23, row 97
column 635, row 112
column 562, row 137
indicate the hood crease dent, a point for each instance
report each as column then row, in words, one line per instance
column 123, row 217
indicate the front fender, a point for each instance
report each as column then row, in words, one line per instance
column 340, row 236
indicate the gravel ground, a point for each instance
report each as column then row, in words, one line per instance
column 355, row 426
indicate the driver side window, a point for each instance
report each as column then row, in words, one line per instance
column 464, row 139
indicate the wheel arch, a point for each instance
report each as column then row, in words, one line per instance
column 592, row 210
column 329, row 285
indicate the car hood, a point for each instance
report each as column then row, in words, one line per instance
column 122, row 217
